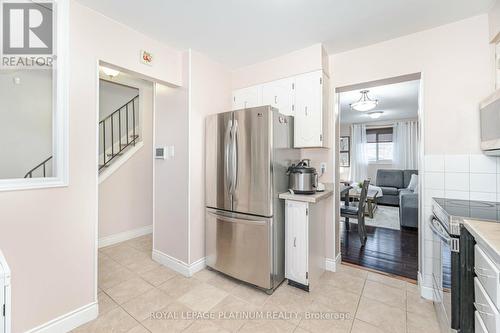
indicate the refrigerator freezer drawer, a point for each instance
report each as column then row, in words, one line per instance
column 240, row 246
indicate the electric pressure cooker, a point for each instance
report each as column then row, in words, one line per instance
column 303, row 179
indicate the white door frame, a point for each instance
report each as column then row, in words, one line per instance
column 336, row 126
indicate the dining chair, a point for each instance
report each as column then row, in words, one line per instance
column 358, row 212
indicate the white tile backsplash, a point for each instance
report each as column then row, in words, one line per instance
column 457, row 163
column 460, row 195
column 434, row 180
column 429, row 194
column 434, row 163
column 465, row 177
column 483, row 164
column 455, row 181
column 483, row 182
column 483, row 196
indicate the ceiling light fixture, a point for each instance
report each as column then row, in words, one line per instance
column 110, row 72
column 365, row 103
column 375, row 114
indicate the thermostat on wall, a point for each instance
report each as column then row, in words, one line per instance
column 160, row 153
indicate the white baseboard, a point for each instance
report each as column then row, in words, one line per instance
column 126, row 235
column 425, row 291
column 178, row 265
column 197, row 266
column 69, row 321
column 331, row 265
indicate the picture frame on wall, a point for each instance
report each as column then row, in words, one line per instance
column 345, row 144
column 345, row 159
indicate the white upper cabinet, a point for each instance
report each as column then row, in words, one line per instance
column 303, row 96
column 280, row 94
column 247, row 97
column 309, row 110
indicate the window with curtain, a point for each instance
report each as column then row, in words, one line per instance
column 380, row 145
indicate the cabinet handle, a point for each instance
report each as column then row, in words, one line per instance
column 306, row 111
column 294, row 241
column 479, row 308
column 482, row 274
column 275, row 99
column 245, row 104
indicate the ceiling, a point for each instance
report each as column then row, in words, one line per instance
column 398, row 101
column 243, row 32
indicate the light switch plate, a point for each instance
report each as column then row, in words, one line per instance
column 171, row 152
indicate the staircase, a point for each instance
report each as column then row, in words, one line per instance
column 118, row 132
column 40, row 170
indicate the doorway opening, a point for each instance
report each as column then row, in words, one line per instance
column 378, row 156
column 125, row 176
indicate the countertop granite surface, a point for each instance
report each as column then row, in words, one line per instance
column 487, row 235
column 311, row 198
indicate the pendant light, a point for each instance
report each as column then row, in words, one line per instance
column 365, row 103
column 375, row 114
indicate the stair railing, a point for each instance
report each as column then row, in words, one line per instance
column 42, row 166
column 124, row 129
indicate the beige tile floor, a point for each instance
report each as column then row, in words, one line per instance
column 132, row 287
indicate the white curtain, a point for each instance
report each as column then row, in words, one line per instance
column 405, row 138
column 359, row 163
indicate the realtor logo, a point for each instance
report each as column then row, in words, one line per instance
column 27, row 28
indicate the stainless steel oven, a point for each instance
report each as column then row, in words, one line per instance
column 445, row 276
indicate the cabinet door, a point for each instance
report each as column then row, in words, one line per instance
column 308, row 120
column 279, row 94
column 296, row 248
column 2, row 302
column 247, row 97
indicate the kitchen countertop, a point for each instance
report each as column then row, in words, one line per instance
column 311, row 198
column 487, row 235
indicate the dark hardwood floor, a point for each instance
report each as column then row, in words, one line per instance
column 390, row 251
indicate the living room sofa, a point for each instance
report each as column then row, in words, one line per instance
column 395, row 192
column 392, row 182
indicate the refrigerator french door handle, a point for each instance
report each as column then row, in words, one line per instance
column 229, row 218
column 235, row 155
column 227, row 153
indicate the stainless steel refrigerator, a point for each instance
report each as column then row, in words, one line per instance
column 247, row 155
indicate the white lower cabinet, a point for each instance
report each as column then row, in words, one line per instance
column 479, row 324
column 296, row 233
column 5, row 298
column 304, row 243
column 486, row 292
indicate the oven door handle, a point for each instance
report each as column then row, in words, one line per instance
column 439, row 230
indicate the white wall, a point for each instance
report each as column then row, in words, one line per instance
column 25, row 121
column 301, row 61
column 171, row 176
column 179, row 229
column 455, row 62
column 126, row 196
column 49, row 235
column 113, row 96
column 210, row 93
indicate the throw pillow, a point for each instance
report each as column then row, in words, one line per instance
column 413, row 182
